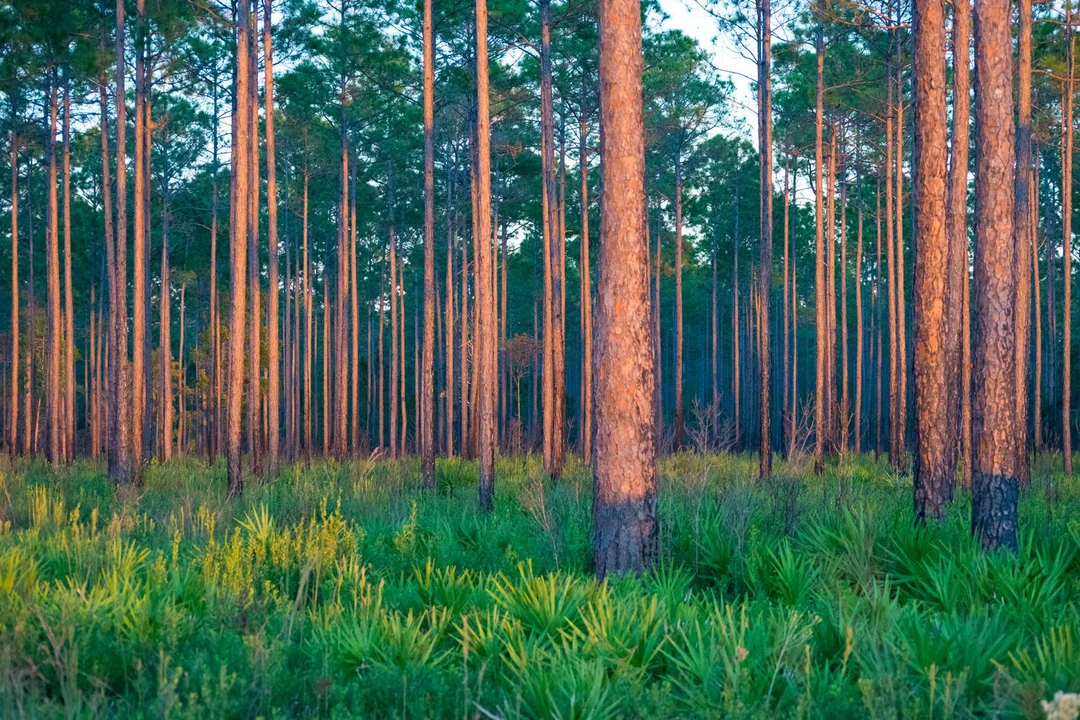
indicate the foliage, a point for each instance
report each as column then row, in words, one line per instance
column 317, row 596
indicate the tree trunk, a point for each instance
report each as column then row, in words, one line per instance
column 69, row 313
column 819, row 267
column 238, row 250
column 1022, row 225
column 273, row 381
column 678, row 368
column 933, row 480
column 165, row 391
column 427, row 393
column 958, row 238
column 857, row 427
column 53, row 406
column 548, row 202
column 486, row 353
column 309, row 303
column 765, row 154
column 254, row 330
column 394, row 365
column 139, row 371
column 624, row 506
column 994, row 476
column 1037, row 303
column 587, row 428
column 1066, row 251
column 16, row 384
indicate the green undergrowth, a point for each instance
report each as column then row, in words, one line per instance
column 342, row 590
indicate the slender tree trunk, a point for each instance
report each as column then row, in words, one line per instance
column 957, row 231
column 819, row 267
column 309, row 302
column 450, row 350
column 254, row 329
column 354, row 299
column 933, row 479
column 139, row 371
column 765, row 154
column 69, row 313
column 901, row 307
column 859, row 324
column 786, row 420
column 273, row 381
column 547, row 151
column 16, row 378
column 119, row 433
column 326, row 420
column 587, row 428
column 878, row 323
column 1022, row 228
column 165, row 391
column 736, row 356
column 896, row 450
column 994, row 476
column 214, row 421
column 394, row 363
column 485, row 300
column 238, row 250
column 53, row 406
column 427, row 393
column 1037, row 303
column 845, row 394
column 1066, row 252
column 678, row 440
column 624, row 505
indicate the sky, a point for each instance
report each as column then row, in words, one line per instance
column 689, row 17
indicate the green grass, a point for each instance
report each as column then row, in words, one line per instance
column 342, row 590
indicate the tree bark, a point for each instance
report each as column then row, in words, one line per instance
column 485, row 300
column 994, row 476
column 933, row 480
column 765, row 125
column 69, row 312
column 273, row 381
column 238, row 251
column 53, row 406
column 957, row 231
column 16, row 378
column 624, row 505
column 427, row 394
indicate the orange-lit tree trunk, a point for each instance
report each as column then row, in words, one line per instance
column 427, row 392
column 933, row 479
column 586, row 301
column 994, row 474
column 1066, row 234
column 1022, row 227
column 53, row 402
column 485, row 299
column 624, row 505
column 69, row 312
column 273, row 380
column 238, row 250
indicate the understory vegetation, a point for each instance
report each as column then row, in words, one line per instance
column 343, row 590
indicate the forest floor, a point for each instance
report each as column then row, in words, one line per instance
column 342, row 590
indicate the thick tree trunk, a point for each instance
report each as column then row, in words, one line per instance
column 933, row 479
column 994, row 476
column 624, row 505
